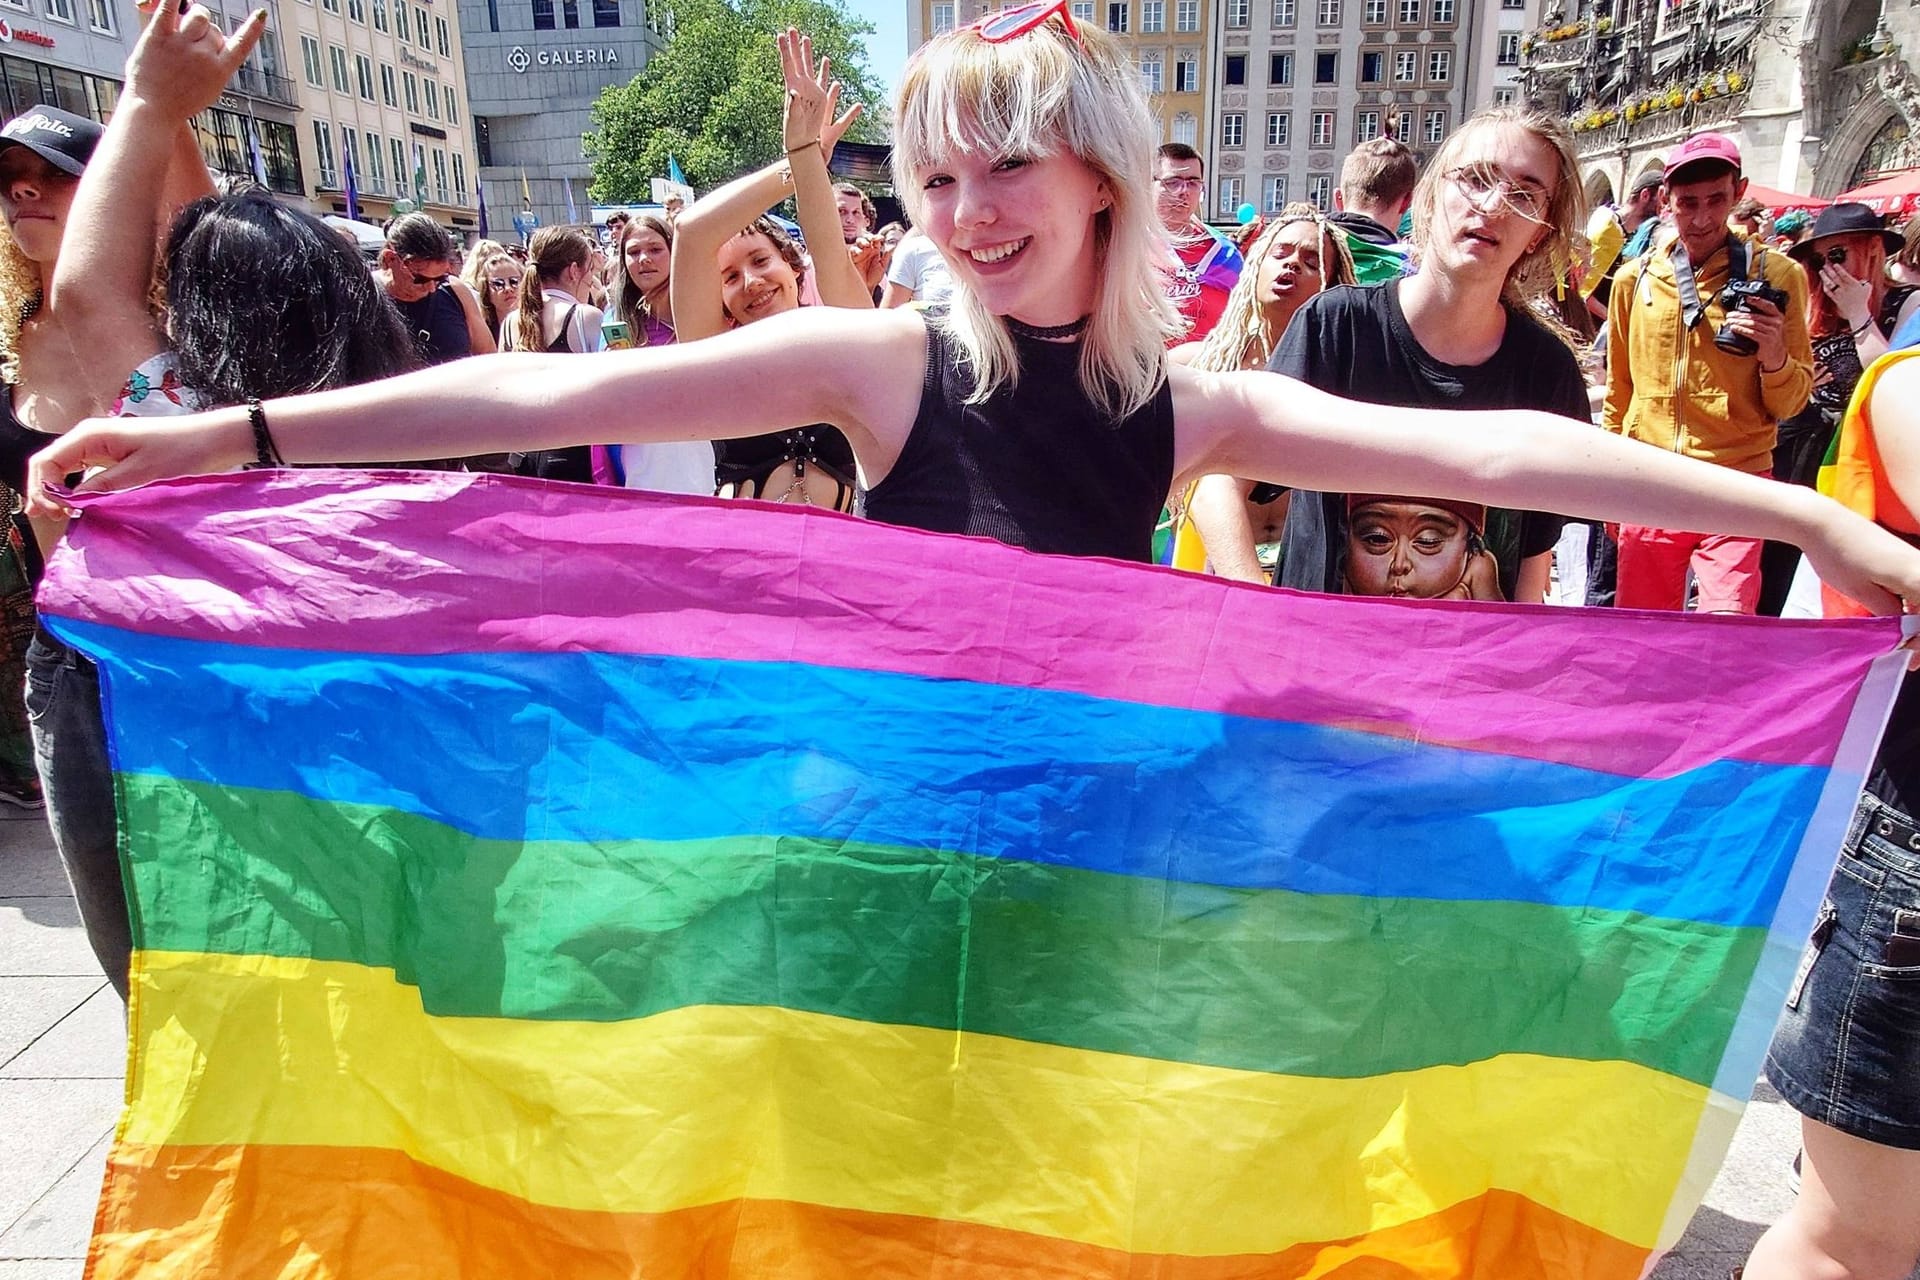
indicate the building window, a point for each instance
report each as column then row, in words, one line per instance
column 433, row 98
column 1328, row 14
column 380, row 22
column 1403, row 126
column 1185, row 128
column 1509, row 55
column 61, row 11
column 942, row 19
column 1186, row 79
column 387, row 93
column 1153, row 15
column 328, row 164
column 337, row 60
column 1322, row 129
column 1503, row 97
column 357, row 12
column 459, row 178
column 606, row 13
column 542, row 16
column 453, row 107
column 1186, row 15
column 1279, row 127
column 1276, row 193
column 399, row 154
column 1152, row 70
column 1233, row 129
column 1239, row 12
column 18, row 4
column 1406, row 66
column 1373, row 67
column 1283, row 13
column 1119, row 16
column 363, row 75
column 100, row 16
column 1439, row 65
column 376, row 163
column 1280, row 68
column 1236, row 74
column 1375, row 13
column 400, row 21
column 411, row 84
column 1366, row 126
column 350, row 143
column 420, row 28
column 1320, row 192
column 1326, row 66
column 331, row 6
column 1083, row 10
column 1436, row 126
column 440, row 175
column 1512, row 5
column 310, row 56
column 1442, row 12
column 1409, row 13
column 1229, row 196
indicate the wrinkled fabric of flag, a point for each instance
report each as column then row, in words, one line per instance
column 532, row 879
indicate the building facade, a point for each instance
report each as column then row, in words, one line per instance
column 382, row 87
column 1299, row 83
column 1819, row 94
column 534, row 68
column 1167, row 39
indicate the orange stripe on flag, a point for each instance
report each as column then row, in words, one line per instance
column 347, row 1211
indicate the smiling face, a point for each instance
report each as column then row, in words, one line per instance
column 648, row 259
column 1291, row 272
column 756, row 281
column 35, row 198
column 1019, row 231
column 1405, row 549
column 1493, row 202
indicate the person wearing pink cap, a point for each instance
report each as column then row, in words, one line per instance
column 1707, row 351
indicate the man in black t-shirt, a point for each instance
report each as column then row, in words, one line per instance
column 1356, row 343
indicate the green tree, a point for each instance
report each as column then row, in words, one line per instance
column 712, row 97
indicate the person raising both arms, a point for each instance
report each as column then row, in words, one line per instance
column 1041, row 409
column 733, row 266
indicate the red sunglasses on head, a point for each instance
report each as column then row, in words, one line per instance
column 1010, row 24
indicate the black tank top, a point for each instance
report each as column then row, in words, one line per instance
column 18, row 442
column 1037, row 465
column 560, row 345
column 438, row 324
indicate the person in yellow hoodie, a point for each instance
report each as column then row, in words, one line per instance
column 1694, row 367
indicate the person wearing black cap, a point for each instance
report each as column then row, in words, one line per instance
column 1852, row 312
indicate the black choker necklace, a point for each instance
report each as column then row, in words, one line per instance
column 31, row 307
column 1048, row 332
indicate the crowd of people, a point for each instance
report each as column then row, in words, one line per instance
column 1059, row 353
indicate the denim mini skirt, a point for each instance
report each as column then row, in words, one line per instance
column 1847, row 1052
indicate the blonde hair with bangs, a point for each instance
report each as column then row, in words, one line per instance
column 1036, row 95
column 1535, row 277
column 1242, row 332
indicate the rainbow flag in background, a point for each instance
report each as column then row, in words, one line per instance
column 532, row 879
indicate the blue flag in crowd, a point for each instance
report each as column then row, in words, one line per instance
column 346, row 168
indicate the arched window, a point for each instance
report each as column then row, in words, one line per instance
column 1185, row 128
column 1887, row 150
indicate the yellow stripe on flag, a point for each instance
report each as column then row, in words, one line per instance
column 715, row 1103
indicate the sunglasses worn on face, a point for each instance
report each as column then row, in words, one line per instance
column 421, row 282
column 1836, row 254
column 498, row 285
column 1010, row 24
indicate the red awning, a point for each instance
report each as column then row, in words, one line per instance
column 1895, row 196
column 1781, row 201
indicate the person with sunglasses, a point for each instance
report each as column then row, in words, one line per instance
column 1040, row 409
column 414, row 272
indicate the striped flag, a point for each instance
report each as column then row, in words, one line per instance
column 620, row 885
column 573, row 210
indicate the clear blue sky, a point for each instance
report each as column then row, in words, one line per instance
column 887, row 46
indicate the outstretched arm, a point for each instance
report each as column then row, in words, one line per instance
column 1272, row 428
column 860, row 372
column 811, row 131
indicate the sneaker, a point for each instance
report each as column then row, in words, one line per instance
column 21, row 794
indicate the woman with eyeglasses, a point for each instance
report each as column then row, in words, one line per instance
column 1041, row 409
column 1492, row 220
column 414, row 271
column 1299, row 255
column 497, row 281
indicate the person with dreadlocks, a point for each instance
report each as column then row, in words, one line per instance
column 1494, row 220
column 1299, row 255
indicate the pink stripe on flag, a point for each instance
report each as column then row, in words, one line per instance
column 424, row 561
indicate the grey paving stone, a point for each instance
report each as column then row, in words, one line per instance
column 42, row 937
column 46, row 1128
column 90, row 1043
column 29, row 1007
column 58, row 1224
column 29, row 868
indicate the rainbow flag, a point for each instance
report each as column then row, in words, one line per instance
column 531, row 879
